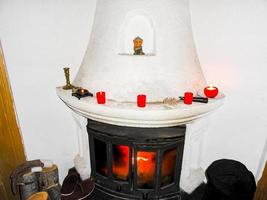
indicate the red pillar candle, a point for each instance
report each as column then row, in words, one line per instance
column 101, row 97
column 141, row 100
column 211, row 91
column 188, row 98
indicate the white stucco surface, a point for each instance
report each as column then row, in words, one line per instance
column 166, row 29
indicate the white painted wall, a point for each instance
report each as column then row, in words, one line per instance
column 231, row 39
column 40, row 37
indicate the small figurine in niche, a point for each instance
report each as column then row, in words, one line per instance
column 138, row 49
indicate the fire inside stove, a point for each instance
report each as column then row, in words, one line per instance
column 145, row 162
column 146, row 165
column 120, row 165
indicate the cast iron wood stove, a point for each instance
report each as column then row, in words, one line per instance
column 135, row 163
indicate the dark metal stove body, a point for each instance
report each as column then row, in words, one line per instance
column 135, row 163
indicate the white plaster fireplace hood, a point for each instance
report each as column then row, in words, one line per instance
column 169, row 67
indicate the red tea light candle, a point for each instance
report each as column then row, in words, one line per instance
column 211, row 91
column 188, row 98
column 141, row 100
column 101, row 97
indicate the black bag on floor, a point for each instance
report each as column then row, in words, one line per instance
column 229, row 180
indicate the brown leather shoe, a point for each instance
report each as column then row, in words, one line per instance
column 69, row 184
column 82, row 190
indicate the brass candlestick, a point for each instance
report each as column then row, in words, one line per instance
column 68, row 85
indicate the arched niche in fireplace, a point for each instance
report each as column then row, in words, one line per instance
column 137, row 23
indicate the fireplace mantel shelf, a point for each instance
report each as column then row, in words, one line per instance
column 128, row 114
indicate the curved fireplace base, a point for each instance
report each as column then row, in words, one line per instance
column 128, row 114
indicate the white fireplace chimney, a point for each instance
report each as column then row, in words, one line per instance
column 170, row 65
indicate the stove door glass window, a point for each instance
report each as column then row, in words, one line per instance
column 168, row 167
column 146, row 168
column 101, row 157
column 120, row 164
